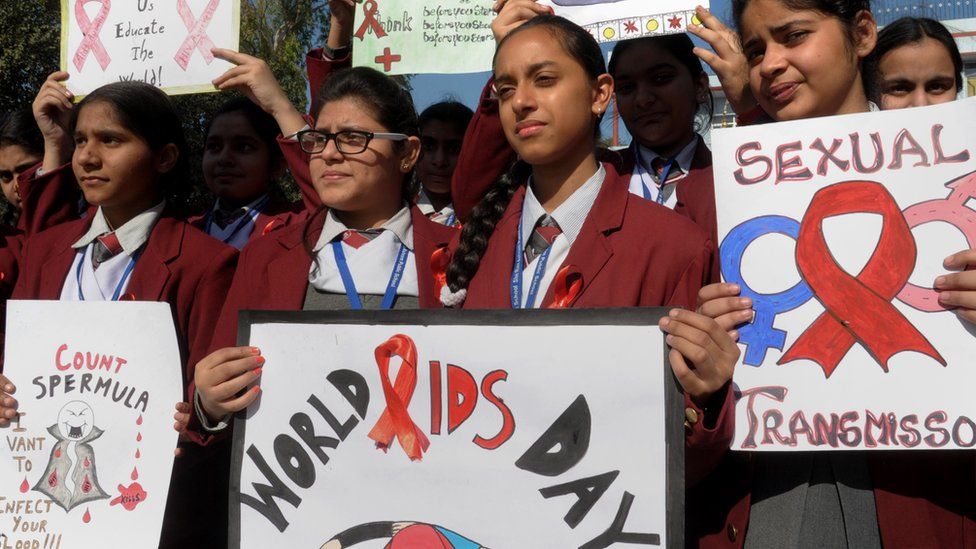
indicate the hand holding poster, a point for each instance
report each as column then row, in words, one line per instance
column 454, row 36
column 837, row 228
column 491, row 429
column 163, row 43
column 87, row 462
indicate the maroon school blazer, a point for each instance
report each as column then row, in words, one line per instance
column 629, row 253
column 277, row 215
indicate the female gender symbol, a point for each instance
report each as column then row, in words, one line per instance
column 91, row 29
column 760, row 336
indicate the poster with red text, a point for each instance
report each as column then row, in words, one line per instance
column 87, row 462
column 460, row 429
column 165, row 43
column 837, row 229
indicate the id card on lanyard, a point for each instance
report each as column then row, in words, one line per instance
column 519, row 266
column 118, row 288
column 350, row 285
column 249, row 219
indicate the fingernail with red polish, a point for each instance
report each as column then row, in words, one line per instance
column 260, row 359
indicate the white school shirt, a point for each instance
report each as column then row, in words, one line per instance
column 245, row 223
column 100, row 284
column 441, row 216
column 372, row 264
column 643, row 174
column 570, row 216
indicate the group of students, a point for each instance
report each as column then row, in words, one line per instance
column 512, row 206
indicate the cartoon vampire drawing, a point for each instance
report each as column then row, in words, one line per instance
column 403, row 535
column 70, row 477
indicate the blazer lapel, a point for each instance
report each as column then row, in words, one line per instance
column 152, row 268
column 427, row 238
column 591, row 251
column 499, row 260
column 55, row 269
column 288, row 273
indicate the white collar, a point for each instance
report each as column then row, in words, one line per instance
column 132, row 234
column 400, row 225
column 571, row 214
column 684, row 158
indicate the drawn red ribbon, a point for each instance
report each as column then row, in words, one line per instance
column 858, row 308
column 567, row 285
column 439, row 261
column 370, row 21
column 197, row 37
column 396, row 420
column 91, row 29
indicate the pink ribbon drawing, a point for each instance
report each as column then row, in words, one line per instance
column 197, row 37
column 91, row 29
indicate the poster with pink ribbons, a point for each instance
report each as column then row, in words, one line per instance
column 837, row 229
column 166, row 43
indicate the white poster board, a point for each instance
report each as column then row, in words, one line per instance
column 837, row 228
column 454, row 36
column 165, row 43
column 88, row 461
column 517, row 430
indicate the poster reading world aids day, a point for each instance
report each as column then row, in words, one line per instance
column 460, row 431
column 837, row 229
column 454, row 36
column 87, row 462
column 165, row 43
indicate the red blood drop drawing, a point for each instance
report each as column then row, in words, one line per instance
column 139, row 421
column 87, row 518
column 135, row 474
column 86, row 485
column 138, row 454
column 87, row 463
column 139, row 437
column 130, row 497
column 24, row 487
column 57, row 452
column 52, row 480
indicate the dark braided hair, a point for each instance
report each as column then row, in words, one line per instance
column 485, row 216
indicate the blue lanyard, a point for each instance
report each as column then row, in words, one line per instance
column 450, row 220
column 118, row 289
column 540, row 270
column 350, row 285
column 249, row 219
column 642, row 169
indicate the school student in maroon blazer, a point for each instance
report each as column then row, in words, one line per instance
column 797, row 62
column 561, row 229
column 241, row 165
column 129, row 156
column 365, row 248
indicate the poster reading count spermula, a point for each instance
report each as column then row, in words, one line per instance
column 165, row 43
column 480, row 429
column 87, row 462
column 837, row 229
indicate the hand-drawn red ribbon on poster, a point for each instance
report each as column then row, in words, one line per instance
column 370, row 21
column 197, row 38
column 92, row 43
column 858, row 308
column 396, row 420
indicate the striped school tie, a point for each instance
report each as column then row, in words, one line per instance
column 106, row 247
column 543, row 235
column 658, row 165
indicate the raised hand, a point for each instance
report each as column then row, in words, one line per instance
column 222, row 379
column 727, row 59
column 52, row 110
column 253, row 77
column 513, row 14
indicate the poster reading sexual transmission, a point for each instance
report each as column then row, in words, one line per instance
column 459, row 430
column 837, row 229
column 165, row 43
column 87, row 462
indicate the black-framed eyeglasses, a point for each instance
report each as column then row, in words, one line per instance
column 347, row 141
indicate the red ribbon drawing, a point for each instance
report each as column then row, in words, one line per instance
column 396, row 420
column 197, row 37
column 370, row 22
column 567, row 285
column 91, row 29
column 858, row 308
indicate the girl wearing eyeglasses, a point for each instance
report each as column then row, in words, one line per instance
column 365, row 248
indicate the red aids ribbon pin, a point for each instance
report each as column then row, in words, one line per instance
column 197, row 37
column 566, row 286
column 396, row 420
column 370, row 21
column 91, row 29
column 439, row 261
column 858, row 308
